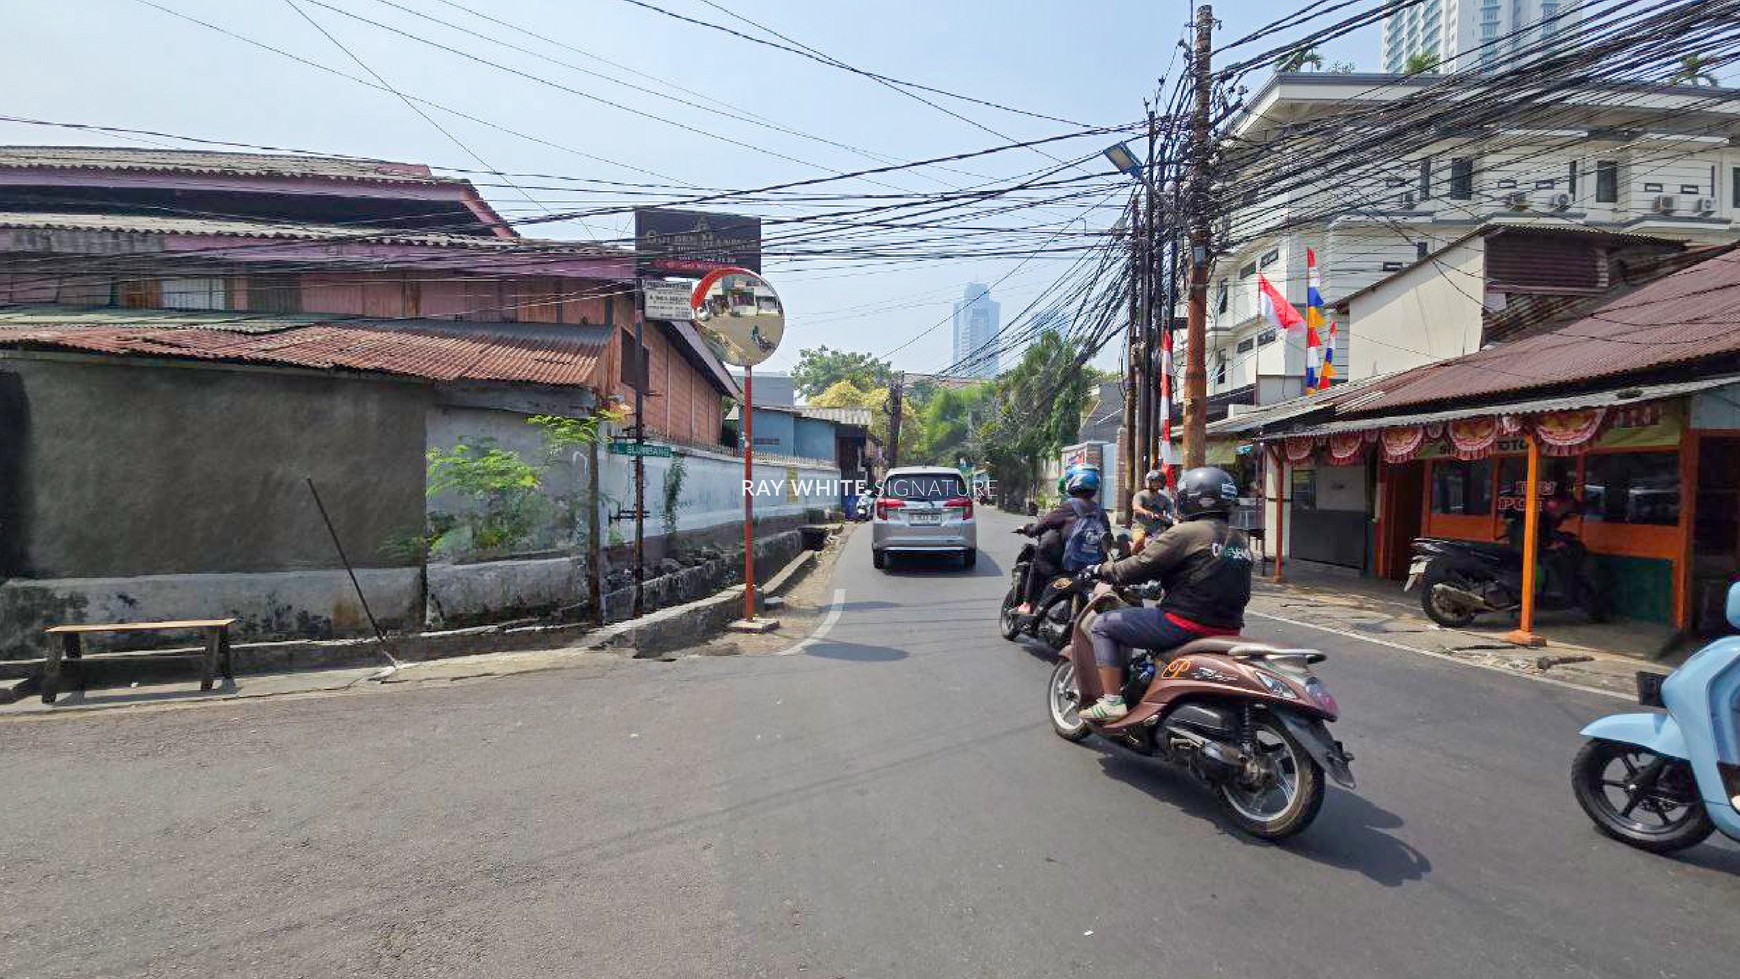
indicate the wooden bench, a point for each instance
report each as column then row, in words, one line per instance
column 214, row 658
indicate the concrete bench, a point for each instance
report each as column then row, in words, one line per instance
column 215, row 657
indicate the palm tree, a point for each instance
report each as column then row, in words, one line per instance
column 1420, row 64
column 1695, row 71
column 1297, row 59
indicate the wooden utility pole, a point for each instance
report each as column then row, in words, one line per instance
column 1196, row 333
column 897, row 398
column 1151, row 307
column 640, row 382
column 1127, row 472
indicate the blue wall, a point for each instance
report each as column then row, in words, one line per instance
column 774, row 431
column 815, row 438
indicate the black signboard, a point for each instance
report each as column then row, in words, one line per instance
column 668, row 242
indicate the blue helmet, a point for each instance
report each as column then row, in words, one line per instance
column 1083, row 481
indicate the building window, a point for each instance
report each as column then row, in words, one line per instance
column 1632, row 487
column 1462, row 488
column 1267, row 337
column 1571, row 179
column 191, row 293
column 1247, row 345
column 633, row 363
column 1247, row 271
column 1420, row 251
column 274, row 294
column 1462, row 178
column 1425, row 178
column 1220, row 297
column 1734, row 195
column 1606, row 181
column 1220, row 368
column 1303, row 491
column 1270, row 257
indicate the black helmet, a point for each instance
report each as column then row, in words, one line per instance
column 1206, row 491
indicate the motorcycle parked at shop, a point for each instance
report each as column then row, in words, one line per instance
column 1461, row 579
column 1665, row 782
column 1247, row 719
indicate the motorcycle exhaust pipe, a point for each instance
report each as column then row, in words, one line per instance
column 1223, row 758
column 1463, row 597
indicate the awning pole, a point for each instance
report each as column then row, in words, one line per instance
column 1524, row 635
column 1281, row 500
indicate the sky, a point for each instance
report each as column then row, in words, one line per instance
column 126, row 63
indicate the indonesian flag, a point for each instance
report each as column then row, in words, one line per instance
column 1328, row 360
column 1276, row 308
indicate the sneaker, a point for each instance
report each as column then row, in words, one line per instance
column 1109, row 708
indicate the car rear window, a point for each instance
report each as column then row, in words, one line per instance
column 929, row 487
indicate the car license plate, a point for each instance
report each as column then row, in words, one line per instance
column 924, row 519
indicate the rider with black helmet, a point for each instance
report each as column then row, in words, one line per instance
column 1205, row 566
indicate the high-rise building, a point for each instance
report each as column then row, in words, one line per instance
column 976, row 320
column 1462, row 35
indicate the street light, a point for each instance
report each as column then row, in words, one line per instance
column 1121, row 157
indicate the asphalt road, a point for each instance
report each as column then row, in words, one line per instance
column 887, row 802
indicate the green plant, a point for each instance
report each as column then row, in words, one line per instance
column 501, row 488
column 1297, row 60
column 674, row 477
column 1421, row 64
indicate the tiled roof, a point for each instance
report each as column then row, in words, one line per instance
column 203, row 162
column 434, row 350
column 298, row 231
column 1675, row 321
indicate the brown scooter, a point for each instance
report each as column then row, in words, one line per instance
column 1248, row 719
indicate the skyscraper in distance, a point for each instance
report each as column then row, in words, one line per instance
column 1461, row 35
column 976, row 322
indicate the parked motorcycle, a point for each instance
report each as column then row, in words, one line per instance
column 1248, row 719
column 1664, row 782
column 1462, row 579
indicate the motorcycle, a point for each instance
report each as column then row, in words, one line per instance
column 1664, row 782
column 1058, row 607
column 1462, row 579
column 1247, row 719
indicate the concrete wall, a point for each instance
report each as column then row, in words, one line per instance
column 1430, row 314
column 774, row 431
column 814, row 439
column 151, row 470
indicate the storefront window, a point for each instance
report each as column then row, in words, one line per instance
column 1513, row 484
column 1632, row 487
column 1463, row 488
column 1304, row 489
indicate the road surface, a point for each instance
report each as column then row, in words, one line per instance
column 886, row 802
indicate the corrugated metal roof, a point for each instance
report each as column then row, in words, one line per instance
column 206, row 162
column 862, row 417
column 1613, row 397
column 1680, row 319
column 435, row 350
column 290, row 230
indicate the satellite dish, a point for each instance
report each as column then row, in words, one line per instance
column 739, row 315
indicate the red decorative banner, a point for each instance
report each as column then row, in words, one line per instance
column 1402, row 444
column 1637, row 416
column 1298, row 448
column 1565, row 433
column 1474, row 438
column 1346, row 448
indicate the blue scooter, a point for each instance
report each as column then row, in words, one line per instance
column 1664, row 782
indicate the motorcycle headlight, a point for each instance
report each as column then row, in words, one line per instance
column 1276, row 686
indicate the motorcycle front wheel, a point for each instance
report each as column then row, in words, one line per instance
column 1661, row 818
column 1063, row 702
column 1288, row 793
column 1008, row 623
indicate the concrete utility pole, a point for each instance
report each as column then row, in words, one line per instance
column 640, row 382
column 1133, row 377
column 1151, row 309
column 1196, row 333
column 897, row 398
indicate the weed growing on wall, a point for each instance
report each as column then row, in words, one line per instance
column 674, row 477
column 502, row 490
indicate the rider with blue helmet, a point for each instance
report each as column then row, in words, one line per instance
column 1080, row 486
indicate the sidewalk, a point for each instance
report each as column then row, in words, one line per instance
column 1605, row 656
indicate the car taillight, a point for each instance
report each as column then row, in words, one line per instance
column 885, row 505
column 961, row 503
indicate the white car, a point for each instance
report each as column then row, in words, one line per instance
column 924, row 510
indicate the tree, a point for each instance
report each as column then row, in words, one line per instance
column 1298, row 58
column 1694, row 70
column 1420, row 64
column 820, row 368
column 845, row 394
column 1342, row 68
column 1034, row 410
column 948, row 422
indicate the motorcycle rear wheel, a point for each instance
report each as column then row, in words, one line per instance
column 1446, row 614
column 1008, row 623
column 1674, row 816
column 1289, row 798
column 1063, row 700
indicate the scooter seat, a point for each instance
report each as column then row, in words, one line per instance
column 1238, row 648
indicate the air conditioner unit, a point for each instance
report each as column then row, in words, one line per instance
column 1561, row 202
column 1666, row 204
column 1517, row 200
column 1706, row 205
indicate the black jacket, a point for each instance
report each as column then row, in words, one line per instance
column 1205, row 566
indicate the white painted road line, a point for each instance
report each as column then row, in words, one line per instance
column 1437, row 655
column 834, row 611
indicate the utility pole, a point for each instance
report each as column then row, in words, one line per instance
column 1151, row 308
column 1133, row 377
column 1196, row 335
column 1141, row 353
column 640, row 382
column 897, row 398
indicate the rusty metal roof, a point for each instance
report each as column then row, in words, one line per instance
column 433, row 350
column 299, row 231
column 140, row 159
column 1678, row 320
